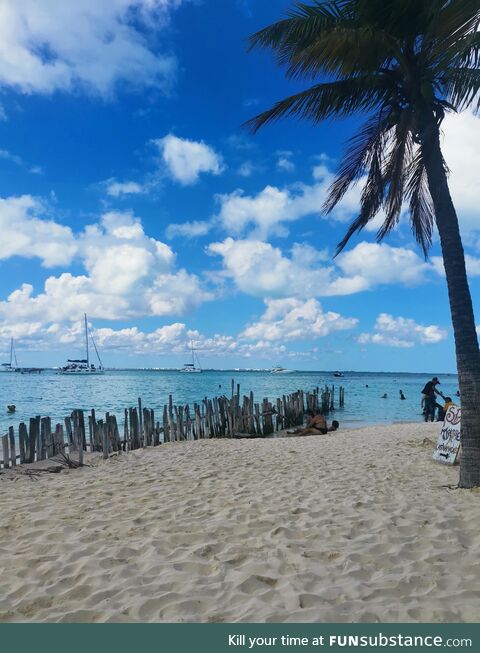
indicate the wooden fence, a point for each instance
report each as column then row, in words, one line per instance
column 219, row 417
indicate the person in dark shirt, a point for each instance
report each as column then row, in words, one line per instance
column 429, row 400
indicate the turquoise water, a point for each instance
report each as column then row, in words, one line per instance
column 54, row 395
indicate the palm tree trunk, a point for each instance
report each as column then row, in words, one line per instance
column 466, row 341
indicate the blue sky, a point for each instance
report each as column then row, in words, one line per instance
column 132, row 192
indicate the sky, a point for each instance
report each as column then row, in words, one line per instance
column 132, row 192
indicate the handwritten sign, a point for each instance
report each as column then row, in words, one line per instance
column 448, row 443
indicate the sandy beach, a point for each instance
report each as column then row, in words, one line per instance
column 356, row 526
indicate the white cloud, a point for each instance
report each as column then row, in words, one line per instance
column 8, row 156
column 56, row 45
column 284, row 162
column 118, row 188
column 402, row 332
column 269, row 211
column 126, row 272
column 168, row 339
column 193, row 229
column 461, row 149
column 246, row 169
column 25, row 232
column 260, row 269
column 257, row 268
column 295, row 319
column 382, row 264
column 186, row 160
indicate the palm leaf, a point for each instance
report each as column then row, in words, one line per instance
column 340, row 98
column 462, row 88
column 422, row 213
column 372, row 195
column 358, row 155
column 395, row 173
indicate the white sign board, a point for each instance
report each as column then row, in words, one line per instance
column 448, row 443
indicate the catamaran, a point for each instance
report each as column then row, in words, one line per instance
column 190, row 367
column 83, row 366
column 10, row 367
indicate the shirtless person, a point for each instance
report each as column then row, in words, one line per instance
column 316, row 425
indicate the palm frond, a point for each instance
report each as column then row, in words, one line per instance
column 304, row 25
column 422, row 213
column 340, row 98
column 372, row 196
column 340, row 52
column 456, row 19
column 462, row 53
column 462, row 88
column 394, row 175
column 357, row 157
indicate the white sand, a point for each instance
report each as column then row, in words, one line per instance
column 355, row 526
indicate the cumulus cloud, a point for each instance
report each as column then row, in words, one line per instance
column 174, row 338
column 271, row 210
column 186, row 160
column 294, row 319
column 461, row 149
column 260, row 269
column 26, row 231
column 257, row 268
column 126, row 274
column 56, row 45
column 193, row 229
column 284, row 161
column 383, row 264
column 116, row 188
column 246, row 169
column 402, row 332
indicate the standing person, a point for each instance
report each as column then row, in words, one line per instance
column 402, row 396
column 429, row 393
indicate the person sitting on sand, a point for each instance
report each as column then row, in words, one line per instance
column 442, row 410
column 316, row 425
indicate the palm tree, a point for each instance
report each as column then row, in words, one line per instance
column 404, row 64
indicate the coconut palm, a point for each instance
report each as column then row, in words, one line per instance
column 403, row 64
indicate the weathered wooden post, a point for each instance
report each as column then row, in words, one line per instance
column 6, row 453
column 13, row 452
column 23, row 442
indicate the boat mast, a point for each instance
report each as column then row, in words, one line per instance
column 193, row 354
column 86, row 339
column 11, row 351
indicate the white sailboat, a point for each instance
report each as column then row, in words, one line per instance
column 10, row 367
column 190, row 367
column 83, row 366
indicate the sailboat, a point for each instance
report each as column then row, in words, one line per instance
column 83, row 366
column 10, row 367
column 190, row 367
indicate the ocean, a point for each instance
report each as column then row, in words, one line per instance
column 54, row 395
